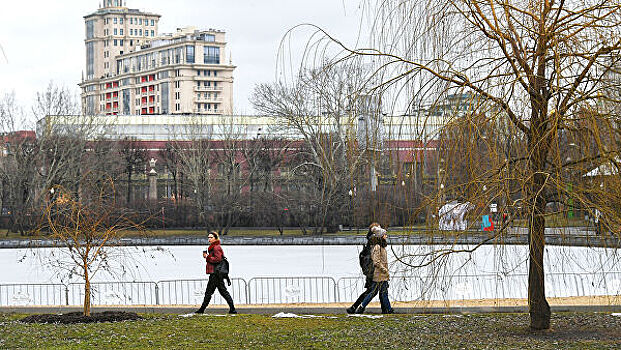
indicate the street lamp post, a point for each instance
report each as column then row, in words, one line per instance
column 351, row 214
column 152, row 180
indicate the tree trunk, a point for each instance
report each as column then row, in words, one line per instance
column 538, row 307
column 87, row 292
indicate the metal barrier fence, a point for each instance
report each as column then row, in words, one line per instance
column 115, row 293
column 277, row 290
column 191, row 292
column 32, row 294
column 282, row 290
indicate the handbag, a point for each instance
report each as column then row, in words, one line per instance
column 222, row 268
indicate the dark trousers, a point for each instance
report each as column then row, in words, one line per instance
column 367, row 290
column 216, row 282
column 382, row 289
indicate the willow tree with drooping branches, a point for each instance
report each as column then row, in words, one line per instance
column 540, row 87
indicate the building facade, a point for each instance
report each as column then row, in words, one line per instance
column 133, row 70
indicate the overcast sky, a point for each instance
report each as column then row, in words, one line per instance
column 44, row 40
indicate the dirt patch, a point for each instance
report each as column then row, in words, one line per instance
column 78, row 317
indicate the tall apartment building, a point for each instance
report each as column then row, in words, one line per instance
column 131, row 69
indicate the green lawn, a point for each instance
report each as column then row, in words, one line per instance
column 491, row 331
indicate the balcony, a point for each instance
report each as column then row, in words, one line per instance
column 203, row 99
column 207, row 111
column 207, row 88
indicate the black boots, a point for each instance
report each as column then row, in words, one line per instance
column 229, row 301
column 360, row 310
column 351, row 310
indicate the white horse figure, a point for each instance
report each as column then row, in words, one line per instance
column 452, row 216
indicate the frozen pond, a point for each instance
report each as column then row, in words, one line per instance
column 312, row 274
column 186, row 262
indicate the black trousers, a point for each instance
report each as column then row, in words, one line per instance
column 216, row 282
column 367, row 290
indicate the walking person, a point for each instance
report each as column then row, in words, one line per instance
column 366, row 264
column 380, row 274
column 213, row 256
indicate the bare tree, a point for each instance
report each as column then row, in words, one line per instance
column 62, row 138
column 196, row 161
column 134, row 157
column 88, row 228
column 17, row 167
column 545, row 68
column 318, row 108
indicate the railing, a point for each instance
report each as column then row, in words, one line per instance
column 32, row 294
column 277, row 290
column 191, row 292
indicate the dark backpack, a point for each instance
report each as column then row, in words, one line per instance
column 366, row 262
column 222, row 270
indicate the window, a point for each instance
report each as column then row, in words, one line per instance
column 146, row 33
column 189, row 54
column 215, row 73
column 121, row 31
column 115, row 31
column 131, row 31
column 115, row 42
column 210, row 37
column 131, row 20
column 90, row 60
column 114, row 20
column 164, row 92
column 212, row 55
column 89, row 29
column 140, row 31
column 152, row 23
column 121, row 20
column 178, row 53
column 152, row 33
column 121, row 44
column 176, row 107
column 140, row 21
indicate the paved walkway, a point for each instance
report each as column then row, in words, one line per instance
column 572, row 304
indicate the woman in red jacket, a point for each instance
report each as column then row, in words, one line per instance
column 213, row 256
